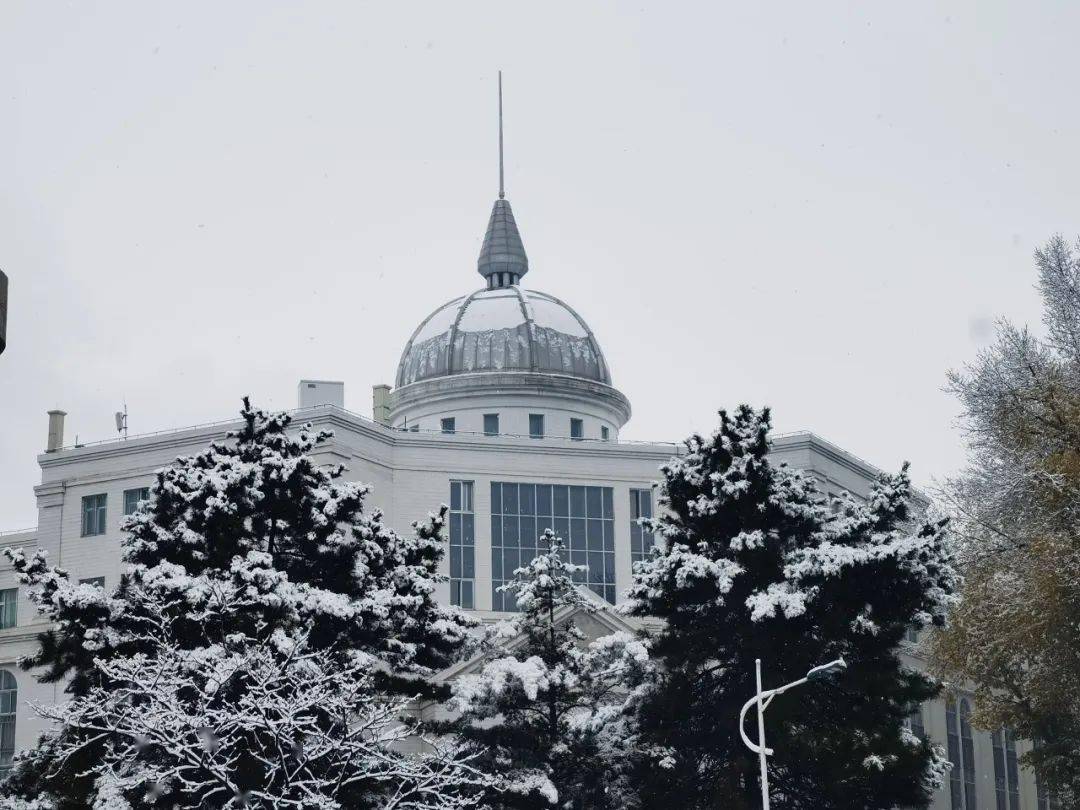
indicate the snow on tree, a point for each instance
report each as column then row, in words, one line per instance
column 260, row 605
column 549, row 712
column 1016, row 631
column 753, row 562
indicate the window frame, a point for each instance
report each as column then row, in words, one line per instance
column 94, row 517
column 461, row 533
column 536, row 419
column 9, row 700
column 495, row 418
column 448, row 425
column 145, row 496
column 577, row 428
column 9, row 608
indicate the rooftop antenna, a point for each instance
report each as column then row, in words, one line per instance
column 502, row 191
column 121, row 421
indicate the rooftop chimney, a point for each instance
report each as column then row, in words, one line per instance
column 380, row 404
column 56, row 431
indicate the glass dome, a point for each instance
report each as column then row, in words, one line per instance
column 503, row 329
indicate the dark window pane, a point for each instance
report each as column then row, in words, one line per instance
column 496, row 500
column 577, row 532
column 609, row 510
column 528, row 532
column 593, row 502
column 609, row 535
column 496, row 596
column 510, row 499
column 496, row 564
column 543, row 499
column 455, row 495
column 455, row 528
column 596, row 566
column 577, row 501
column 467, row 595
column 609, row 568
column 527, row 501
column 468, row 564
column 510, row 531
column 455, row 561
column 595, row 534
column 511, row 562
column 496, row 530
column 455, row 592
column 561, row 500
column 468, row 532
column 491, row 424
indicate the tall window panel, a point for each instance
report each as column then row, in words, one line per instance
column 914, row 723
column 93, row 515
column 582, row 516
column 132, row 498
column 9, row 602
column 462, row 544
column 9, row 700
column 1006, row 772
column 961, row 754
column 641, row 541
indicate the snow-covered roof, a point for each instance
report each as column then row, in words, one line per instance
column 503, row 329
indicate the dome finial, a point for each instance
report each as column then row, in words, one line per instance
column 502, row 190
column 502, row 257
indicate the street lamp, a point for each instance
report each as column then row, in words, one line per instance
column 763, row 699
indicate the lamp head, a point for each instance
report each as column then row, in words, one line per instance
column 825, row 670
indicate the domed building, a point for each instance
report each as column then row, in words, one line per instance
column 503, row 408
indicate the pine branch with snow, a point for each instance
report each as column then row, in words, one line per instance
column 547, row 711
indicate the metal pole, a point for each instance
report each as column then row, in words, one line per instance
column 761, row 740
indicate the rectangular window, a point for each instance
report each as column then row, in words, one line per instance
column 641, row 541
column 577, row 429
column 96, row 581
column 914, row 723
column 9, row 604
column 491, row 424
column 93, row 515
column 462, row 544
column 1006, row 771
column 132, row 498
column 536, row 426
column 448, row 425
column 415, row 427
column 605, row 434
column 582, row 516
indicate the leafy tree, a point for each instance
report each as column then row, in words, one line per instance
column 548, row 712
column 1015, row 634
column 253, row 574
column 752, row 562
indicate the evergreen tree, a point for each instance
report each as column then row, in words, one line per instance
column 751, row 562
column 550, row 713
column 246, row 551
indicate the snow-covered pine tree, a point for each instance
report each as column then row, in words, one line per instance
column 550, row 713
column 752, row 562
column 248, row 549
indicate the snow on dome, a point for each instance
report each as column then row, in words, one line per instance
column 503, row 329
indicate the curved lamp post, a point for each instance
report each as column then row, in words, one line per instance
column 763, row 699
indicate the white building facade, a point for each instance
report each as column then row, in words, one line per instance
column 503, row 408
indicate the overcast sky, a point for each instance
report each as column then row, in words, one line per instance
column 817, row 206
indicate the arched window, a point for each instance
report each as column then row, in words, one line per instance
column 9, row 700
column 1006, row 772
column 961, row 754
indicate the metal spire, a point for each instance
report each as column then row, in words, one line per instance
column 502, row 191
